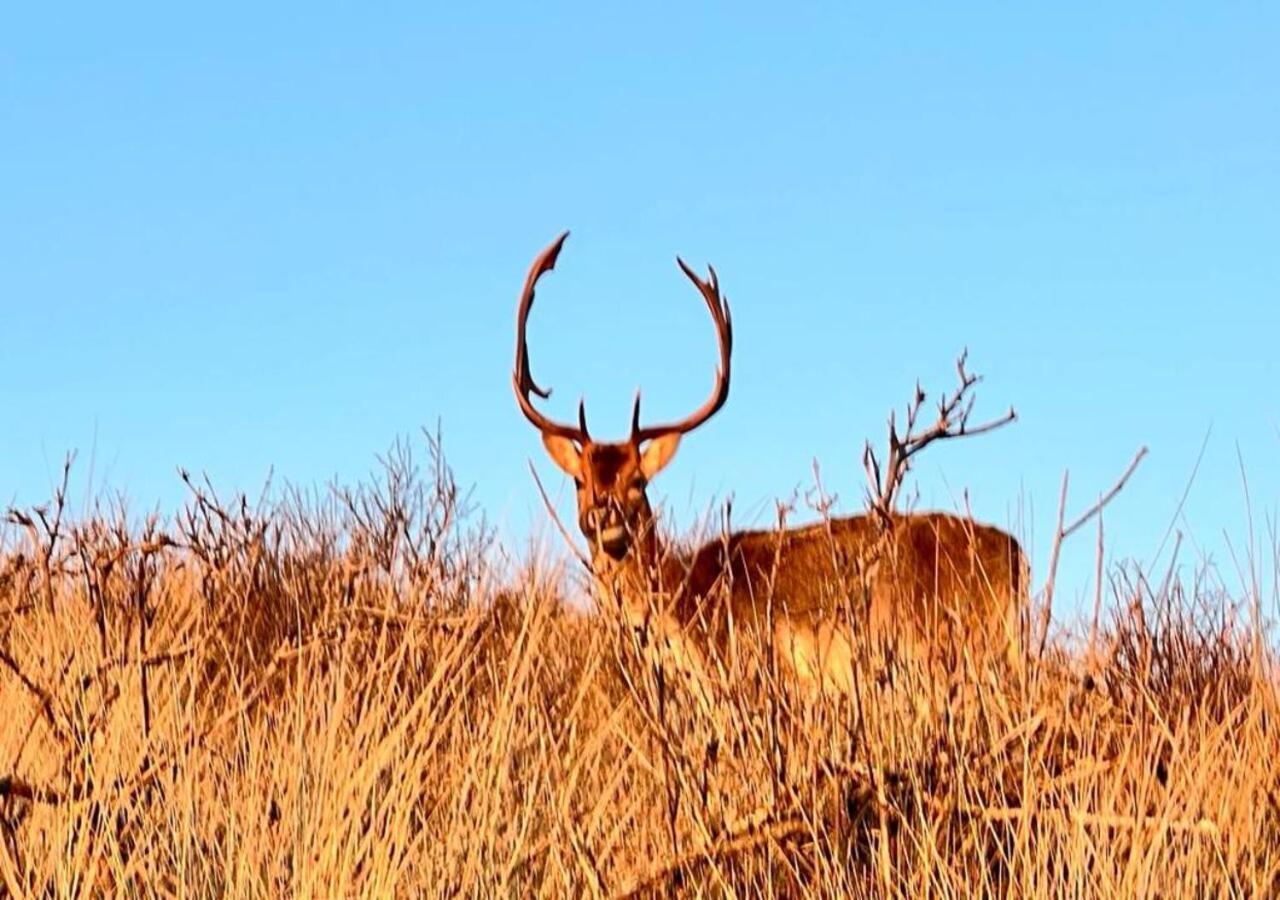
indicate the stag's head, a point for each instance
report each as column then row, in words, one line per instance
column 612, row 477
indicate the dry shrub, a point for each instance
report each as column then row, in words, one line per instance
column 352, row 694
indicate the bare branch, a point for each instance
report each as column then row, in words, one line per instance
column 12, row 786
column 43, row 697
column 1106, row 498
column 954, row 411
column 1064, row 531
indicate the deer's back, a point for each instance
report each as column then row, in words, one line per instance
column 936, row 574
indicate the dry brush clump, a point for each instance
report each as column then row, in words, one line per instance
column 356, row 693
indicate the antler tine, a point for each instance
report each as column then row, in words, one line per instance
column 522, row 376
column 635, row 416
column 718, row 306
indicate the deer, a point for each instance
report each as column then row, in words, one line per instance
column 926, row 581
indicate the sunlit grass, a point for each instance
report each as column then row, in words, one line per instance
column 359, row 695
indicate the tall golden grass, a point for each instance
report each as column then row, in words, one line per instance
column 356, row 693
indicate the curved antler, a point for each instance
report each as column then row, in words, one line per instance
column 522, row 377
column 719, row 309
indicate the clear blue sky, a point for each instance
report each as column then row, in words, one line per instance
column 267, row 236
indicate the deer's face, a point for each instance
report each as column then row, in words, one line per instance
column 611, row 481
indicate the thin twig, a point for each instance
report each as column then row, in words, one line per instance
column 1046, row 612
column 12, row 786
column 44, row 698
column 1206, row 827
column 756, row 833
column 1106, row 498
column 555, row 517
column 1097, row 595
column 1064, row 532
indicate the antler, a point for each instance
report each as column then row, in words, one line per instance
column 719, row 308
column 522, row 377
column 952, row 422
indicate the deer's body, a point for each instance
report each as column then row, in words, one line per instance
column 934, row 585
column 929, row 584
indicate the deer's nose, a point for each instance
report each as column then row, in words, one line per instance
column 614, row 541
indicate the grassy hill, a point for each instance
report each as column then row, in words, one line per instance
column 360, row 694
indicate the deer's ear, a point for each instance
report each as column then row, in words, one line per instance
column 658, row 453
column 565, row 454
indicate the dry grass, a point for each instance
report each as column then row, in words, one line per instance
column 349, row 695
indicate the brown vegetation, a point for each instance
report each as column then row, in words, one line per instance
column 351, row 694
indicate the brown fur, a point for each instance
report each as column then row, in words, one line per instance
column 933, row 585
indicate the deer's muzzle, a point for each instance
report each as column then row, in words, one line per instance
column 614, row 541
